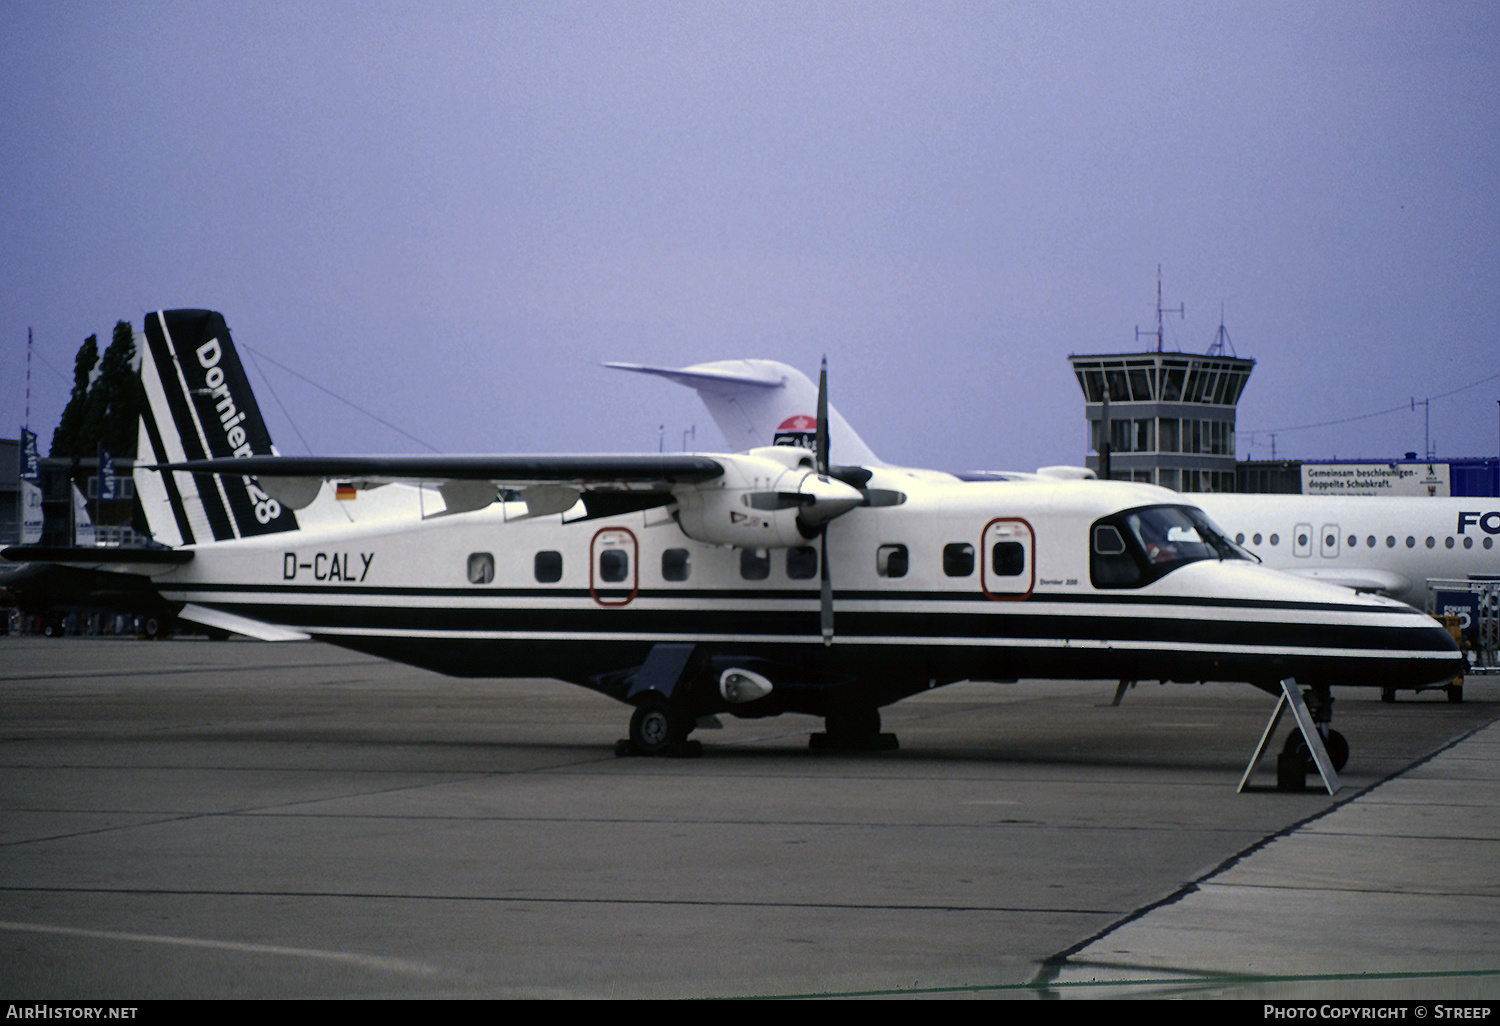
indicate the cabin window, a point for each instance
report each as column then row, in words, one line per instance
column 891, row 561
column 675, row 565
column 1370, row 541
column 802, row 563
column 1468, row 543
column 1429, row 541
column 481, row 568
column 1111, row 565
column 1239, row 539
column 1390, row 541
column 958, row 559
column 614, row 565
column 1256, row 539
column 1448, row 541
column 755, row 564
column 1007, row 559
column 1489, row 543
column 1411, row 542
column 1275, row 539
column 548, row 567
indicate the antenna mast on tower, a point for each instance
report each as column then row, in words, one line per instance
column 1180, row 310
column 1221, row 340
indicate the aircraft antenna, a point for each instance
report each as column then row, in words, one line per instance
column 1181, row 310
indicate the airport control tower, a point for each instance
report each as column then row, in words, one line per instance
column 1171, row 415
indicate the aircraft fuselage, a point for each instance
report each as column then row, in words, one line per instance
column 959, row 581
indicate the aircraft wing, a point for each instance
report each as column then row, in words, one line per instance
column 665, row 469
column 609, row 484
column 1384, row 582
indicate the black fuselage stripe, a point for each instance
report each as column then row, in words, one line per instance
column 479, row 594
column 777, row 624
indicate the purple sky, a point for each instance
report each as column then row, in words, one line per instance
column 449, row 213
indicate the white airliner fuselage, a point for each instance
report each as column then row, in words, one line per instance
column 1391, row 545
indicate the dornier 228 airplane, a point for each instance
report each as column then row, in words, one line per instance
column 749, row 583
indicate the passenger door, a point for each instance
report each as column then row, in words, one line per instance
column 1007, row 562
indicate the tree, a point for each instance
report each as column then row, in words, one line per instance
column 107, row 411
column 123, row 397
column 66, row 440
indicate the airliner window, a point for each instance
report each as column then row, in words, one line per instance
column 891, row 561
column 958, row 559
column 481, row 568
column 548, row 567
column 1007, row 558
column 614, row 566
column 755, row 564
column 1139, row 546
column 802, row 563
column 675, row 565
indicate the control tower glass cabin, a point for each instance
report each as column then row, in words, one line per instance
column 1171, row 416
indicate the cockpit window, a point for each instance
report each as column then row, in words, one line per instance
column 1138, row 546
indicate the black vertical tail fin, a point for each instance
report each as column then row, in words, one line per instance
column 199, row 406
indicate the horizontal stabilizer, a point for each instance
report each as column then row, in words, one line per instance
column 140, row 560
column 705, row 376
column 239, row 624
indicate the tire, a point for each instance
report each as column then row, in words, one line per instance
column 658, row 725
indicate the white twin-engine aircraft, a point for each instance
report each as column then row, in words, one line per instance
column 750, row 583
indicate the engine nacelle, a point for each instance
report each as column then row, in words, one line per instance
column 767, row 499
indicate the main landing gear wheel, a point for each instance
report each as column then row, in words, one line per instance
column 853, row 730
column 659, row 726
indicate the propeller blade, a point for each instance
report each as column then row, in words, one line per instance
column 822, row 463
column 822, row 442
column 826, row 618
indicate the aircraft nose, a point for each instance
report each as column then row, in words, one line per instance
column 1451, row 663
